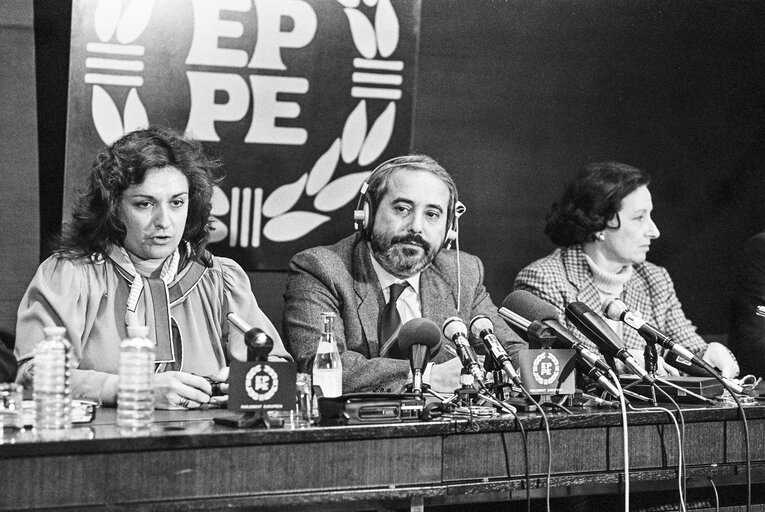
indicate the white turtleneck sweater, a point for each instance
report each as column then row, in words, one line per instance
column 609, row 285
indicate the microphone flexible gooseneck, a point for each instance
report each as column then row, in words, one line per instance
column 259, row 344
column 482, row 328
column 418, row 338
column 456, row 330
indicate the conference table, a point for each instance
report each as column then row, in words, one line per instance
column 191, row 463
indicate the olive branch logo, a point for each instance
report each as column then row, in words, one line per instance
column 361, row 141
column 358, row 142
column 117, row 63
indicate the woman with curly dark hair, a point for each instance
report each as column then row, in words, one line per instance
column 135, row 254
column 604, row 229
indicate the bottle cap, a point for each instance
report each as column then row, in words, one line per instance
column 138, row 331
column 49, row 332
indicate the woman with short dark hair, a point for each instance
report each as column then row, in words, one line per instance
column 135, row 254
column 604, row 228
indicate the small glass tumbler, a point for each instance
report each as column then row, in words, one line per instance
column 302, row 414
column 11, row 411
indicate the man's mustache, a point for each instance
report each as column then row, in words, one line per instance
column 411, row 239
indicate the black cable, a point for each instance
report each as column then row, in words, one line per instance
column 549, row 442
column 525, row 460
column 711, row 371
column 623, row 404
column 680, row 446
column 683, row 490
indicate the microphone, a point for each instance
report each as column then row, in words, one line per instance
column 456, row 330
column 416, row 339
column 482, row 327
column 521, row 304
column 259, row 344
column 615, row 309
column 685, row 365
column 597, row 330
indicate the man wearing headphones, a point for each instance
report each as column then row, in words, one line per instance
column 407, row 213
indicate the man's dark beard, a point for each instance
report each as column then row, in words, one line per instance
column 399, row 260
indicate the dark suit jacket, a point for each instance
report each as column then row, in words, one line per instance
column 340, row 278
column 7, row 364
column 747, row 334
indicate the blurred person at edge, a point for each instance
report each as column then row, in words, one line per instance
column 604, row 229
column 135, row 253
column 747, row 329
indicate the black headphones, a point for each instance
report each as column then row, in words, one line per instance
column 363, row 215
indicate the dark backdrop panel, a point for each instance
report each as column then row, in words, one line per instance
column 19, row 206
column 514, row 97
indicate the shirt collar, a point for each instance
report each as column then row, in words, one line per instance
column 386, row 278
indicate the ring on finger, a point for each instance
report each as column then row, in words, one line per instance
column 184, row 402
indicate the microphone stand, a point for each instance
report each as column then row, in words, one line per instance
column 498, row 377
column 483, row 394
column 545, row 339
column 259, row 345
column 500, row 399
column 651, row 357
column 651, row 362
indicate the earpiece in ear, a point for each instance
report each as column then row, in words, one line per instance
column 361, row 217
column 451, row 236
column 451, row 233
column 459, row 209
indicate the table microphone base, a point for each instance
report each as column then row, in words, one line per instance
column 250, row 420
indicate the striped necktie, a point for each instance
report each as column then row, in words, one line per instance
column 390, row 323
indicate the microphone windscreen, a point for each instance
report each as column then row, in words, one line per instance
column 479, row 324
column 454, row 325
column 529, row 306
column 613, row 309
column 259, row 344
column 594, row 327
column 419, row 331
column 256, row 338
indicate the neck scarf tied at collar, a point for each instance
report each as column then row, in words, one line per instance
column 156, row 313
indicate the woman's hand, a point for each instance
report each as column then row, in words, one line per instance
column 219, row 385
column 717, row 355
column 220, row 380
column 180, row 390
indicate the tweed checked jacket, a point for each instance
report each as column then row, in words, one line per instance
column 341, row 279
column 564, row 277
